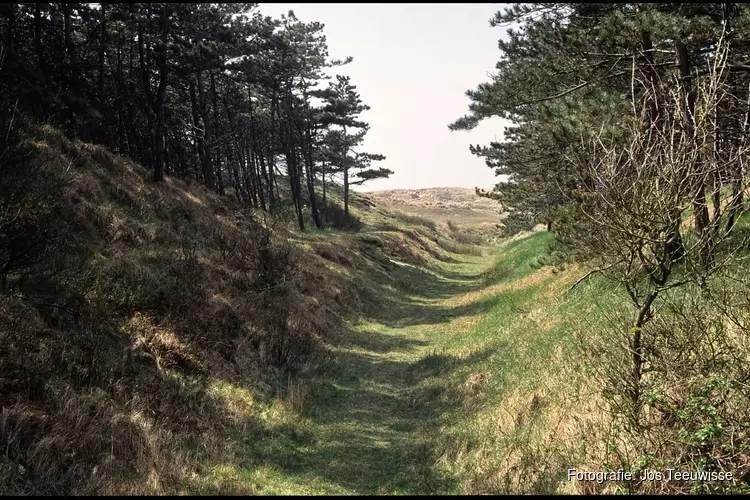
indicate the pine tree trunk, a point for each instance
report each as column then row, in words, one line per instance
column 324, row 183
column 208, row 135
column 161, row 132
column 200, row 132
column 247, row 170
column 346, row 177
column 102, row 49
column 72, row 79
column 309, row 169
column 40, row 59
column 259, row 160
column 292, row 165
column 271, row 159
column 217, row 134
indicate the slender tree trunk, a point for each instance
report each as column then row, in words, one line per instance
column 168, row 154
column 102, row 127
column 217, row 134
column 244, row 161
column 119, row 79
column 259, row 158
column 271, row 158
column 207, row 131
column 148, row 105
column 324, row 182
column 161, row 132
column 72, row 77
column 40, row 59
column 309, row 171
column 700, row 210
column 275, row 178
column 102, row 49
column 200, row 133
column 259, row 199
column 636, row 346
column 345, row 158
column 293, row 169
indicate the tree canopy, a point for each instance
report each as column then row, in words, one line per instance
column 214, row 93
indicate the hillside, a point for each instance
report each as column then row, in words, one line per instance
column 461, row 206
column 145, row 324
column 165, row 340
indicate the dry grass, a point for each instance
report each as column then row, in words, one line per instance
column 460, row 206
column 528, row 412
column 110, row 362
column 436, row 197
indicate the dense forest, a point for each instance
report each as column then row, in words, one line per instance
column 215, row 93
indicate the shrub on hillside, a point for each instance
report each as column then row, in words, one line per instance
column 333, row 216
column 692, row 413
column 465, row 236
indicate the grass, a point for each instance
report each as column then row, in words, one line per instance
column 449, row 373
column 368, row 425
column 456, row 376
column 418, row 397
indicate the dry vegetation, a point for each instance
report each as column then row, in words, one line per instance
column 124, row 302
column 460, row 206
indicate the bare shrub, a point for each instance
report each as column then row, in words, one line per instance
column 268, row 270
column 667, row 366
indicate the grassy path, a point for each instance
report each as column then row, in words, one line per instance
column 369, row 425
column 449, row 383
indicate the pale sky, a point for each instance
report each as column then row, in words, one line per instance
column 412, row 65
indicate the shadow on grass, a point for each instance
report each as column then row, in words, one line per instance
column 374, row 412
column 411, row 297
column 380, row 343
column 370, row 426
column 376, row 409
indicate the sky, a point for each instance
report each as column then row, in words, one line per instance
column 412, row 65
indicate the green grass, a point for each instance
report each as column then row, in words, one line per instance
column 368, row 429
column 396, row 400
column 455, row 378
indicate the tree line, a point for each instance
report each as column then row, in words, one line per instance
column 214, row 93
column 572, row 75
column 629, row 139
